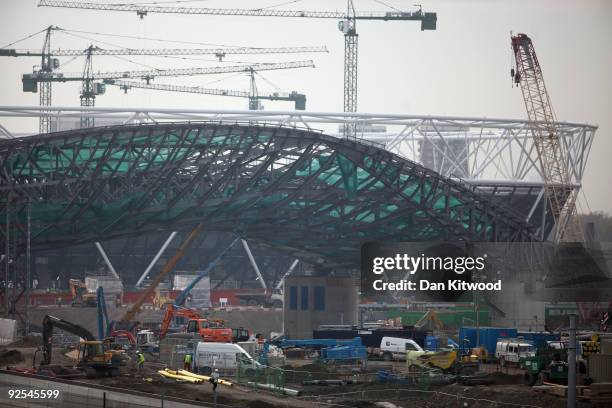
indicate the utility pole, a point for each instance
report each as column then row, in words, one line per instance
column 7, row 254
column 28, row 269
column 571, row 363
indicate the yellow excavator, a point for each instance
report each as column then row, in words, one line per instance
column 80, row 295
column 94, row 356
column 448, row 360
column 162, row 298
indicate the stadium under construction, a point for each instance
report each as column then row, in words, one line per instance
column 236, row 247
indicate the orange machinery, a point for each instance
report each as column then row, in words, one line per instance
column 209, row 330
column 124, row 334
column 80, row 295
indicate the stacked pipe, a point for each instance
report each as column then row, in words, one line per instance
column 187, row 376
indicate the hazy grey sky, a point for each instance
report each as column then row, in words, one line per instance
column 462, row 68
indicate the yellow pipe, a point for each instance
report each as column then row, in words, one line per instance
column 170, row 374
column 203, row 377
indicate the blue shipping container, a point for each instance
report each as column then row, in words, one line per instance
column 539, row 339
column 487, row 337
column 431, row 342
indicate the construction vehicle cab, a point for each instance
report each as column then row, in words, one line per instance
column 94, row 358
column 209, row 331
column 147, row 340
column 240, row 334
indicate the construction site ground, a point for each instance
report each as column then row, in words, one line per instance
column 506, row 388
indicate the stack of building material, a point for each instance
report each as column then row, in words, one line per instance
column 187, row 376
column 112, row 285
column 8, row 330
column 200, row 293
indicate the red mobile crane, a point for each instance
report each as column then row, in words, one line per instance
column 560, row 192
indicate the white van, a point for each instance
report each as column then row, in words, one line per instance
column 512, row 350
column 222, row 356
column 395, row 348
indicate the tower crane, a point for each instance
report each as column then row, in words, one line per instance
column 560, row 193
column 50, row 62
column 254, row 98
column 90, row 89
column 347, row 26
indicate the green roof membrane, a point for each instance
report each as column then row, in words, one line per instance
column 288, row 187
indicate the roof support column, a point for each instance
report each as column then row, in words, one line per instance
column 106, row 260
column 257, row 271
column 156, row 258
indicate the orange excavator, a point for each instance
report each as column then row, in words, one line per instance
column 209, row 330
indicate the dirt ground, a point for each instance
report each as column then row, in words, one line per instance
column 506, row 388
column 151, row 382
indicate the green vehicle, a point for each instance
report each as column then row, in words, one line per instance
column 549, row 364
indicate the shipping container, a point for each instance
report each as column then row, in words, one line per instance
column 606, row 346
column 600, row 367
column 539, row 339
column 487, row 337
column 372, row 337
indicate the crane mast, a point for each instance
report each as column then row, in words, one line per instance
column 88, row 94
column 47, row 65
column 560, row 193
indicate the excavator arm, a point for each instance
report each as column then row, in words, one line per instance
column 49, row 323
column 173, row 311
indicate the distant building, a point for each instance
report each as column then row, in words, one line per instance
column 312, row 301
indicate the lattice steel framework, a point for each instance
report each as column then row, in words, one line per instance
column 550, row 150
column 496, row 156
column 312, row 195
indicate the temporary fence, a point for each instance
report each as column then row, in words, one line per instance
column 279, row 379
column 404, row 394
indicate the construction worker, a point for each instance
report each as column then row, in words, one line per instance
column 187, row 365
column 140, row 360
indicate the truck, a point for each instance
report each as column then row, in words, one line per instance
column 475, row 337
column 146, row 340
column 513, row 350
column 549, row 363
column 395, row 348
column 227, row 357
column 261, row 297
